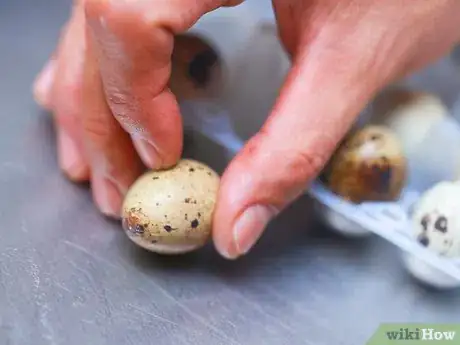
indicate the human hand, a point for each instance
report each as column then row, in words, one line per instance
column 342, row 52
column 107, row 87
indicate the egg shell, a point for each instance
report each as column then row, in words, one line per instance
column 170, row 211
column 196, row 71
column 409, row 114
column 436, row 219
column 368, row 166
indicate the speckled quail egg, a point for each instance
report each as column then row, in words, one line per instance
column 436, row 219
column 170, row 211
column 196, row 70
column 409, row 114
column 435, row 224
column 368, row 166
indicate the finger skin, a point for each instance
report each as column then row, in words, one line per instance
column 113, row 160
column 44, row 83
column 135, row 42
column 64, row 98
column 343, row 53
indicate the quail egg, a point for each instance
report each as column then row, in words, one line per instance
column 368, row 166
column 436, row 219
column 435, row 224
column 170, row 211
column 196, row 70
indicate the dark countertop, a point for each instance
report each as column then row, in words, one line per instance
column 69, row 276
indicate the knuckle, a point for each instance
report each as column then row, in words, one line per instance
column 303, row 161
column 93, row 8
column 141, row 16
column 119, row 102
column 165, row 13
column 123, row 109
column 309, row 163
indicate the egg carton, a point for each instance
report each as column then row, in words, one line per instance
column 255, row 65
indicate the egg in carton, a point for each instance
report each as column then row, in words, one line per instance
column 420, row 120
column 422, row 124
column 237, row 54
column 435, row 224
column 202, row 66
column 431, row 157
column 369, row 165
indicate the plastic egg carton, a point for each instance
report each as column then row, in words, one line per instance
column 255, row 64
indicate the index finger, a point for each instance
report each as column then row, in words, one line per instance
column 135, row 41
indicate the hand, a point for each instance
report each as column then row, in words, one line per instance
column 342, row 52
column 107, row 88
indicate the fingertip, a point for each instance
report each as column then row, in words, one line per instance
column 43, row 84
column 223, row 242
column 110, row 20
column 242, row 211
column 70, row 156
column 151, row 155
column 107, row 195
column 80, row 174
column 243, row 233
column 160, row 141
column 148, row 153
column 250, row 225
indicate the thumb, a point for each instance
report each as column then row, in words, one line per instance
column 323, row 94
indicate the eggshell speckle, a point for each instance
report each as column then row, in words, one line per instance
column 170, row 211
column 368, row 166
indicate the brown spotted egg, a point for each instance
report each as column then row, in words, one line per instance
column 170, row 211
column 368, row 166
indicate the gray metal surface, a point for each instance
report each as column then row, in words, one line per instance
column 69, row 276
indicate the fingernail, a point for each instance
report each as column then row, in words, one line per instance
column 43, row 84
column 249, row 227
column 148, row 153
column 70, row 157
column 106, row 195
